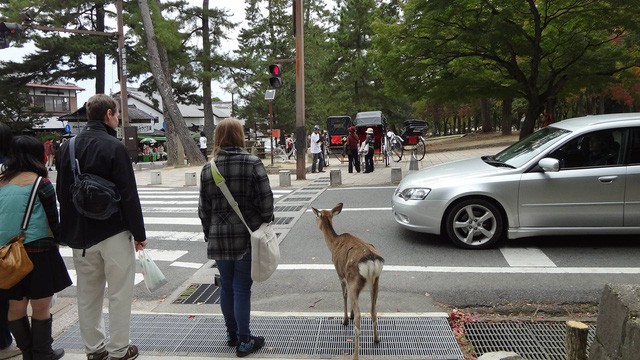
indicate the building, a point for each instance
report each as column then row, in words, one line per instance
column 56, row 99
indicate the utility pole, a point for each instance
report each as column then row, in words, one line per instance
column 301, row 136
column 122, row 72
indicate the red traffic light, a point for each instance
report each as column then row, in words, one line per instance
column 275, row 70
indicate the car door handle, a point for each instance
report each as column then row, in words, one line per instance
column 607, row 179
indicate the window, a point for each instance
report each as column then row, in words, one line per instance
column 596, row 149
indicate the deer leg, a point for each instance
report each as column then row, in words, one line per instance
column 374, row 312
column 345, row 320
column 354, row 292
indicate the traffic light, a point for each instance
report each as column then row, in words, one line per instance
column 276, row 76
column 7, row 31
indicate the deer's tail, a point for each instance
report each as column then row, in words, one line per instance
column 370, row 268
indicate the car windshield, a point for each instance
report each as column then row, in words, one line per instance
column 526, row 149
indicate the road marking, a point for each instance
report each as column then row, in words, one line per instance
column 175, row 235
column 155, row 254
column 361, row 188
column 74, row 278
column 362, row 209
column 526, row 257
column 187, row 264
column 166, row 202
column 172, row 221
column 480, row 269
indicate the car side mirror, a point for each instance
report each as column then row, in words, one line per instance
column 549, row 164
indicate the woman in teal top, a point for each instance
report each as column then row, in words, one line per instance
column 49, row 274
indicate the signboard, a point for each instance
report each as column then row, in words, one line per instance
column 275, row 133
column 67, row 128
column 143, row 128
column 270, row 94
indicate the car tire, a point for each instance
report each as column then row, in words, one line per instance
column 475, row 224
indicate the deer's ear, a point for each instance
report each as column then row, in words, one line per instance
column 337, row 209
column 315, row 211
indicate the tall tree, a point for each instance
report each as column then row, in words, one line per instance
column 540, row 47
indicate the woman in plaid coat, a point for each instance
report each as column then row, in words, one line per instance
column 228, row 241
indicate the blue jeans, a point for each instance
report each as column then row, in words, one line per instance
column 317, row 159
column 235, row 294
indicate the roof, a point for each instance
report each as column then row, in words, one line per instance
column 81, row 114
column 66, row 86
column 593, row 120
column 367, row 118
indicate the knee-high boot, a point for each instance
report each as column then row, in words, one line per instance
column 21, row 331
column 42, row 341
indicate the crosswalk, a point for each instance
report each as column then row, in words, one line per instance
column 170, row 215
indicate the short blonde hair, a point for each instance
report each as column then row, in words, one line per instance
column 229, row 132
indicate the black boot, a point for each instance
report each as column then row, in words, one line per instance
column 42, row 340
column 21, row 331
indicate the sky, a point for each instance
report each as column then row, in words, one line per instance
column 235, row 7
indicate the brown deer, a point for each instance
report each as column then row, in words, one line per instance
column 357, row 263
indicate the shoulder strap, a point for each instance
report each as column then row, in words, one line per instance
column 30, row 204
column 75, row 166
column 219, row 180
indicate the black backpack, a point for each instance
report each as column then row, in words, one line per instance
column 93, row 196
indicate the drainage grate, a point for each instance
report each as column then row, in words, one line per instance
column 293, row 199
column 533, row 341
column 289, row 336
column 314, row 187
column 282, row 220
column 199, row 294
column 288, row 208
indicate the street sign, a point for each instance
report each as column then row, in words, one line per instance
column 270, row 94
column 67, row 128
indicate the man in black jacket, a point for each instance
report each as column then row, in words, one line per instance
column 102, row 249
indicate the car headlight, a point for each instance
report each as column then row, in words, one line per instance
column 414, row 193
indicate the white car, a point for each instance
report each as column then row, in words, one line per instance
column 577, row 176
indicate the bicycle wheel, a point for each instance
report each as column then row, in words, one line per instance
column 396, row 150
column 387, row 152
column 419, row 150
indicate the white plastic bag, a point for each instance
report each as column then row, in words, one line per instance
column 364, row 148
column 153, row 277
column 265, row 253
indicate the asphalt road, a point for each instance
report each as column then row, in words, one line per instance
column 422, row 273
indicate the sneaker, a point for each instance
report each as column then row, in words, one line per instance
column 132, row 353
column 98, row 355
column 254, row 344
column 232, row 339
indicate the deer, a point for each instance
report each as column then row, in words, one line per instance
column 357, row 263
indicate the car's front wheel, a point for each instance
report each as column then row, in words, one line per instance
column 475, row 224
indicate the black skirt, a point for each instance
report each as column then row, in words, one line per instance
column 49, row 275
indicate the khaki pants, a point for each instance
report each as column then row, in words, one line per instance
column 111, row 262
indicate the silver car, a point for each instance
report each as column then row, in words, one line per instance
column 577, row 176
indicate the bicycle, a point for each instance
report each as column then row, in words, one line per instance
column 282, row 154
column 396, row 146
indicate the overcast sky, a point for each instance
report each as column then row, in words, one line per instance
column 235, row 7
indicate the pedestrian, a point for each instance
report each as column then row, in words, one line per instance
column 368, row 157
column 5, row 335
column 228, row 241
column 203, row 145
column 316, row 150
column 49, row 153
column 102, row 249
column 49, row 274
column 290, row 142
column 351, row 146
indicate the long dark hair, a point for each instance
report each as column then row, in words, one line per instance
column 27, row 154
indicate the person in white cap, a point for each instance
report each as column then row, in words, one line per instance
column 316, row 150
column 368, row 158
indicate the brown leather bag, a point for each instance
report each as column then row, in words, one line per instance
column 14, row 260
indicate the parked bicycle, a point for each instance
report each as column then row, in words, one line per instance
column 411, row 137
column 282, row 154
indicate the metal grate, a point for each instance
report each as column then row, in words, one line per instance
column 288, row 208
column 531, row 340
column 294, row 199
column 309, row 337
column 199, row 294
column 282, row 220
column 314, row 187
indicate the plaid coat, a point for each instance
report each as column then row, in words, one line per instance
column 226, row 236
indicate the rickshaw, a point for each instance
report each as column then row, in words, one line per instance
column 338, row 130
column 411, row 136
column 378, row 122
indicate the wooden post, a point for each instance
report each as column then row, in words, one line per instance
column 576, row 340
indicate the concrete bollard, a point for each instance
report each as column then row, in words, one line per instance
column 413, row 164
column 190, row 179
column 156, row 178
column 139, row 167
column 396, row 175
column 285, row 178
column 335, row 177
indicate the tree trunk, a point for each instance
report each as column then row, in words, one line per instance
column 576, row 340
column 206, row 75
column 484, row 115
column 507, row 116
column 164, row 88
